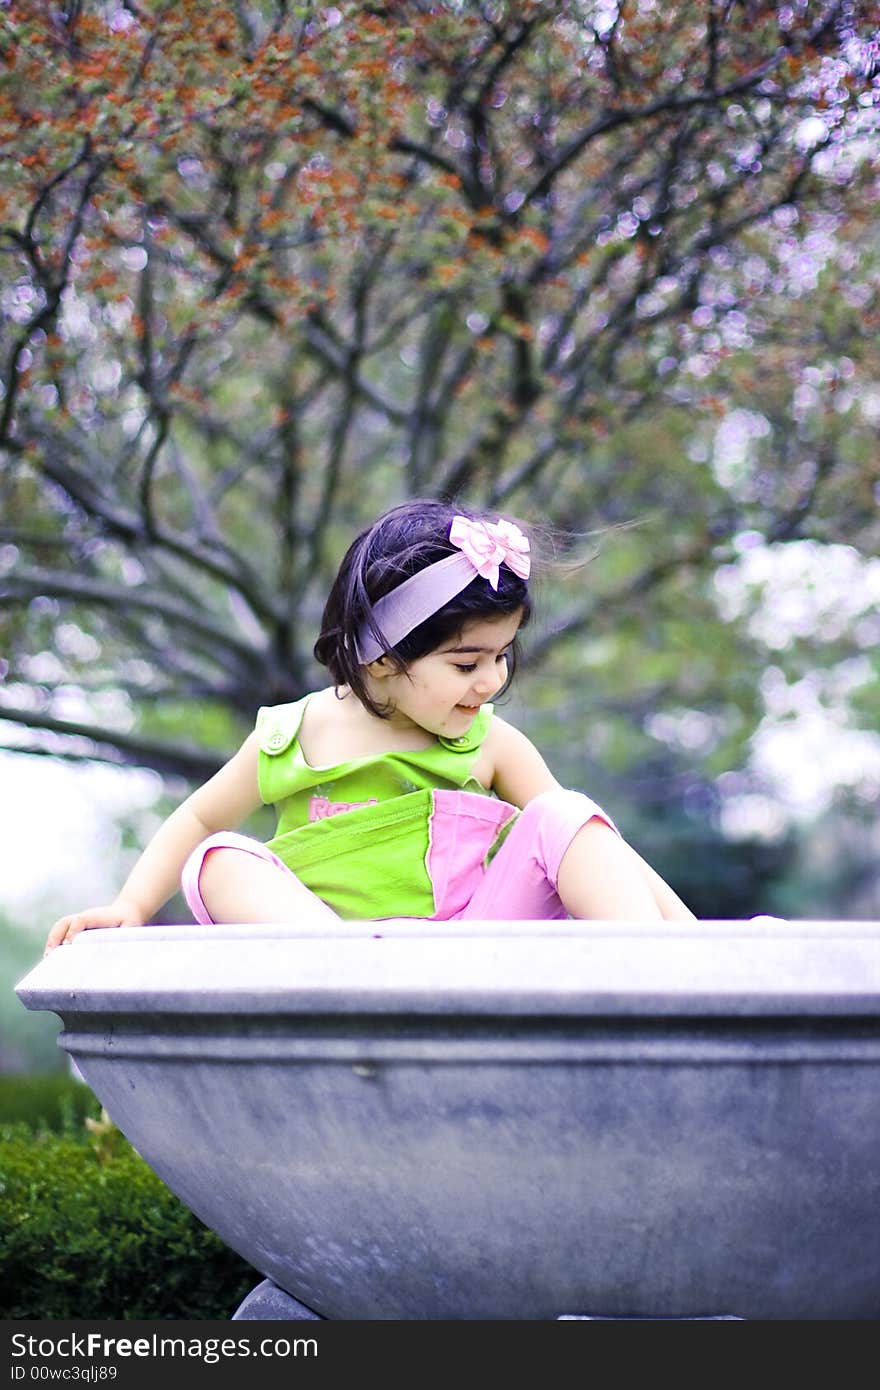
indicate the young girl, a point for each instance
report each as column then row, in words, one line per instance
column 399, row 791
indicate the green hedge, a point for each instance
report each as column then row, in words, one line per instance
column 55, row 1101
column 87, row 1230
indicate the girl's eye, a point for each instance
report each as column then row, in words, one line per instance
column 472, row 666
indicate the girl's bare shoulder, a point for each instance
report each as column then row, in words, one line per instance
column 321, row 731
column 515, row 769
column 336, row 728
column 503, row 739
column 322, row 709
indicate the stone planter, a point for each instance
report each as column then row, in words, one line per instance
column 409, row 1120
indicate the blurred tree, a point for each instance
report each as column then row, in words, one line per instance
column 272, row 267
column 28, row 1041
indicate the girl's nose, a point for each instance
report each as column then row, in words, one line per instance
column 487, row 683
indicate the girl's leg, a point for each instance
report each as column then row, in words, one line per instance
column 672, row 909
column 600, row 878
column 231, row 878
column 563, row 858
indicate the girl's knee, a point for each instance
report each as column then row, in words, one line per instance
column 212, row 863
column 207, row 850
column 561, row 806
column 209, row 860
column 552, row 820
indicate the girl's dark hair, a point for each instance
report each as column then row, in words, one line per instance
column 402, row 542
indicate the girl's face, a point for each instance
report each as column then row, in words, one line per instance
column 443, row 691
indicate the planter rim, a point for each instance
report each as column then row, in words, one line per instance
column 567, row 969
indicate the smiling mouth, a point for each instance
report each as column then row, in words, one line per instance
column 468, row 709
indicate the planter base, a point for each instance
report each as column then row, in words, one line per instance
column 267, row 1303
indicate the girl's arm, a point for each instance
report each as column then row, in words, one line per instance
column 227, row 799
column 518, row 772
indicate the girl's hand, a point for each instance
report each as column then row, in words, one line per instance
column 116, row 914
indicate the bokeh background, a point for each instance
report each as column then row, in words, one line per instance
column 610, row 268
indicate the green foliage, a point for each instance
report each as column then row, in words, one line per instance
column 59, row 1103
column 834, row 863
column 720, row 879
column 28, row 1039
column 91, row 1232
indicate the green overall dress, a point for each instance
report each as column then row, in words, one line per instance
column 371, row 836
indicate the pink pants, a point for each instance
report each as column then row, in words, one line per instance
column 518, row 885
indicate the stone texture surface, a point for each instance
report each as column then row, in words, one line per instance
column 268, row 1303
column 492, row 1120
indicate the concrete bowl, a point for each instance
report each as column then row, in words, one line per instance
column 412, row 1120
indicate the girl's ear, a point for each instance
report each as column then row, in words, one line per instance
column 380, row 668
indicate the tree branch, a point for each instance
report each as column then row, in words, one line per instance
column 614, row 120
column 26, row 584
column 180, row 759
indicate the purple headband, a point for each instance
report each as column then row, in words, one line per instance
column 483, row 546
